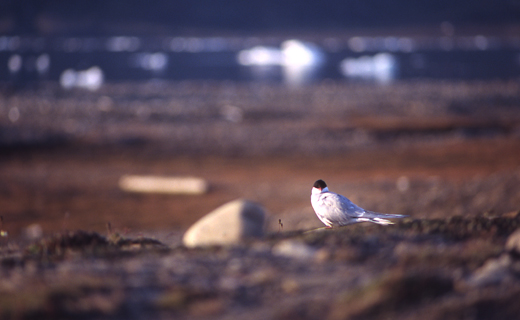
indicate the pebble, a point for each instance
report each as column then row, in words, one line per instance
column 493, row 272
column 294, row 249
column 513, row 242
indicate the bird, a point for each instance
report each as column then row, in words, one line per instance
column 335, row 210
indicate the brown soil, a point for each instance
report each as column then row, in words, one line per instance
column 71, row 189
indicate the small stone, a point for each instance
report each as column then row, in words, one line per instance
column 206, row 308
column 322, row 255
column 513, row 242
column 229, row 283
column 293, row 249
column 263, row 276
column 229, row 224
column 290, row 286
column 494, row 271
column 235, row 266
column 33, row 232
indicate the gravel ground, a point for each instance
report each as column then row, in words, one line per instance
column 435, row 269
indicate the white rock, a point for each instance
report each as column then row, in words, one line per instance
column 229, row 224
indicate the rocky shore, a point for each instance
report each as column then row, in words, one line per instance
column 73, row 244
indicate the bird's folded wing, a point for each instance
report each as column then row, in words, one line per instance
column 341, row 207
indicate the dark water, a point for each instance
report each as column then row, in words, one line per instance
column 28, row 60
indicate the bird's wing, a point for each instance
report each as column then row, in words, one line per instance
column 340, row 208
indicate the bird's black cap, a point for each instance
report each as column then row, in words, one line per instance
column 320, row 184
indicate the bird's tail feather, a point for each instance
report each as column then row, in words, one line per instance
column 381, row 221
column 372, row 214
column 375, row 220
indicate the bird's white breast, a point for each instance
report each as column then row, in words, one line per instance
column 320, row 209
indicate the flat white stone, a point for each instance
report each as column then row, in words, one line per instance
column 160, row 184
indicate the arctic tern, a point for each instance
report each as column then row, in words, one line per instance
column 335, row 210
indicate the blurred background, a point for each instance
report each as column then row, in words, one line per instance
column 407, row 107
